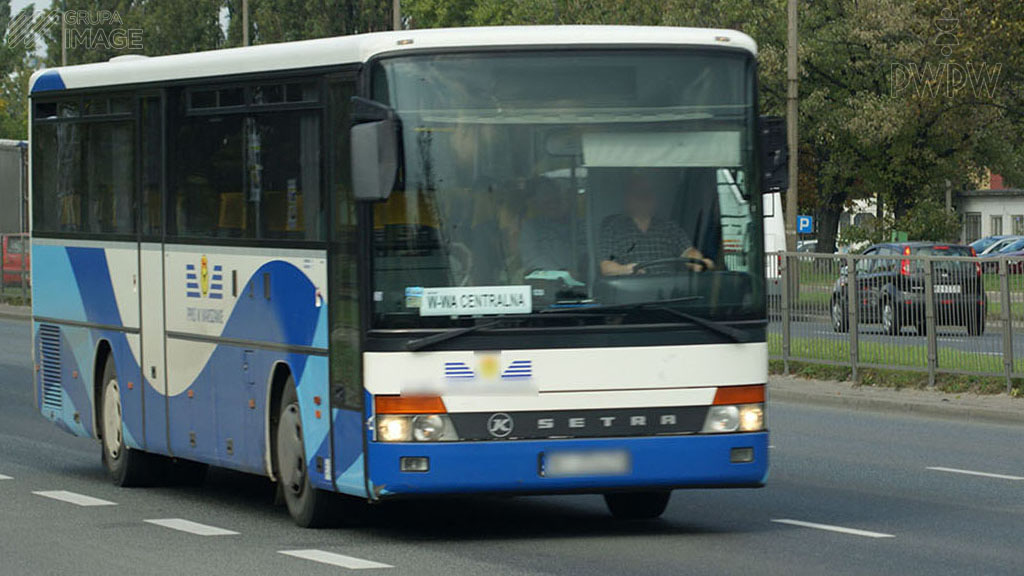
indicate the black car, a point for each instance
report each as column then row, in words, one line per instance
column 891, row 290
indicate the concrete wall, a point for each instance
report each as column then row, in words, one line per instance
column 13, row 209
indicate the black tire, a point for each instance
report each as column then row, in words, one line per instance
column 308, row 506
column 890, row 318
column 127, row 467
column 637, row 505
column 839, row 316
column 976, row 322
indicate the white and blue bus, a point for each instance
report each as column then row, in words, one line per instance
column 368, row 267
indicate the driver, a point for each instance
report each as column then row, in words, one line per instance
column 640, row 235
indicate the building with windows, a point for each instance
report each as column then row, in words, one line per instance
column 991, row 212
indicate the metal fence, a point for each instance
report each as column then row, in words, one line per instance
column 919, row 312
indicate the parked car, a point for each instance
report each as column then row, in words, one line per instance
column 1009, row 246
column 891, row 290
column 16, row 259
column 999, row 245
column 982, row 245
column 807, row 246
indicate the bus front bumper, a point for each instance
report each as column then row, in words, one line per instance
column 517, row 466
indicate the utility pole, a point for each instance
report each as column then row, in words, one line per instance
column 245, row 22
column 396, row 15
column 791, row 125
column 63, row 37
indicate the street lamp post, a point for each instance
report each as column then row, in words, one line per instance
column 791, row 121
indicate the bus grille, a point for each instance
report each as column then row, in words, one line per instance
column 49, row 365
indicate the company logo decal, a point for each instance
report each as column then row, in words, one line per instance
column 488, row 368
column 500, row 425
column 203, row 283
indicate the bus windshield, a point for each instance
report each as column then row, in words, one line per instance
column 538, row 181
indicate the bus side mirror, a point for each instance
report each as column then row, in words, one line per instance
column 374, row 150
column 774, row 154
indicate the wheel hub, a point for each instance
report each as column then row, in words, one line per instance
column 290, row 452
column 113, row 438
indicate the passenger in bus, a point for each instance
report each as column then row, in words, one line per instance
column 546, row 241
column 639, row 235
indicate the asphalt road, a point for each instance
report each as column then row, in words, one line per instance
column 865, row 476
column 948, row 337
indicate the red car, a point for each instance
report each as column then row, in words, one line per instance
column 16, row 258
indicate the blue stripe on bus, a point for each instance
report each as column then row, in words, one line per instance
column 49, row 80
column 190, row 276
column 193, row 294
column 216, row 286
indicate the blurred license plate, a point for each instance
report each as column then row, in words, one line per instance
column 591, row 463
column 946, row 289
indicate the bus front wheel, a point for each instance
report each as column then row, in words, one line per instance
column 309, row 507
column 637, row 505
column 127, row 466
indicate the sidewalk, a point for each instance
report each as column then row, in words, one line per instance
column 15, row 312
column 997, row 408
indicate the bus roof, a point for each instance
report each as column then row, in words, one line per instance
column 126, row 70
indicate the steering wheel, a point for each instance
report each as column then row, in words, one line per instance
column 678, row 260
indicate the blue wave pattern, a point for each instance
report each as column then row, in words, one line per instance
column 225, row 405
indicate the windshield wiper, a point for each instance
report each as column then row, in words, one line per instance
column 712, row 325
column 421, row 343
column 662, row 306
column 619, row 307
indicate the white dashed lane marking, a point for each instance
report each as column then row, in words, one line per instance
column 74, row 498
column 975, row 473
column 196, row 528
column 334, row 559
column 831, row 528
column 2, row 477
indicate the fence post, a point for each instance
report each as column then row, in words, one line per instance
column 929, row 321
column 852, row 311
column 1006, row 315
column 784, row 280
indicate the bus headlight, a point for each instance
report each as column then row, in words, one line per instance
column 418, row 427
column 751, row 417
column 394, row 428
column 426, row 427
column 733, row 418
column 722, row 419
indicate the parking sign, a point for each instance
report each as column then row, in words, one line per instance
column 804, row 224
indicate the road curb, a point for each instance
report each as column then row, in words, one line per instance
column 952, row 412
column 13, row 313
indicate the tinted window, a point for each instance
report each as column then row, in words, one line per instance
column 943, row 250
column 83, row 177
column 208, row 196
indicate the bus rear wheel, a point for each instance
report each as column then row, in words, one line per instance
column 308, row 506
column 637, row 505
column 127, row 467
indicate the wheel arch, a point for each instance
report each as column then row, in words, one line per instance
column 103, row 351
column 279, row 373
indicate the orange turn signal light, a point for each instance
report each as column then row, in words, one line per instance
column 409, row 405
column 739, row 394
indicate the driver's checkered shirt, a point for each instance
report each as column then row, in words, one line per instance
column 621, row 241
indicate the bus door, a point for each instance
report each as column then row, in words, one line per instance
column 151, row 270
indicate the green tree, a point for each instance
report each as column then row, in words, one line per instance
column 16, row 66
